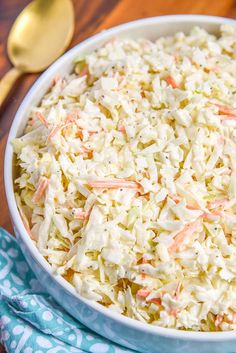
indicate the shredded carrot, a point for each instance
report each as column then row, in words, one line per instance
column 218, row 320
column 43, row 183
column 226, row 111
column 210, row 216
column 81, row 132
column 174, row 312
column 171, row 81
column 213, row 216
column 121, row 128
column 188, row 230
column 142, row 94
column 26, row 224
column 53, row 132
column 56, row 129
column 177, row 291
column 215, row 69
column 56, row 78
column 233, row 318
column 64, row 129
column 177, row 200
column 121, row 82
column 84, row 71
column 218, row 203
column 144, row 261
column 85, row 149
column 72, row 116
column 229, row 172
column 175, row 197
column 143, row 293
column 147, row 174
column 92, row 132
column 192, row 207
column 230, row 321
column 145, row 196
column 114, row 184
column 216, row 213
column 176, row 58
column 69, row 204
column 81, row 215
column 42, row 118
column 155, row 301
column 228, row 117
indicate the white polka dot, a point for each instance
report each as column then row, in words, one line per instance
column 99, row 347
column 7, row 291
column 28, row 350
column 24, row 304
column 13, row 344
column 59, row 321
column 21, row 268
column 12, row 252
column 67, row 329
column 71, row 337
column 8, row 239
column 89, row 338
column 4, row 244
column 43, row 342
column 18, row 329
column 7, row 283
column 5, row 320
column 60, row 333
column 33, row 302
column 17, row 279
column 5, row 335
column 47, row 315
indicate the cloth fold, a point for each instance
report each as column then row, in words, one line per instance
column 30, row 320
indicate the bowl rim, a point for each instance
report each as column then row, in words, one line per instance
column 9, row 191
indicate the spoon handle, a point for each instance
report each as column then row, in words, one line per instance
column 7, row 82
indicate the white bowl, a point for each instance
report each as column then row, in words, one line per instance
column 123, row 330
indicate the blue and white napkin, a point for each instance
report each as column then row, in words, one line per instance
column 30, row 320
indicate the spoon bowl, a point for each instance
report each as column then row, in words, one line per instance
column 39, row 35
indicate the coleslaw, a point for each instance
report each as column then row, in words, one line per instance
column 127, row 178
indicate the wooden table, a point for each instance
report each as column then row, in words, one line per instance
column 91, row 16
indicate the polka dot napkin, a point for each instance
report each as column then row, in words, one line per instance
column 30, row 320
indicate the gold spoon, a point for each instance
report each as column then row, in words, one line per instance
column 40, row 34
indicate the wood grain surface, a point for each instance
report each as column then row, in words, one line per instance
column 91, row 16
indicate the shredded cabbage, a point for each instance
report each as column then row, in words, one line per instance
column 127, row 179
